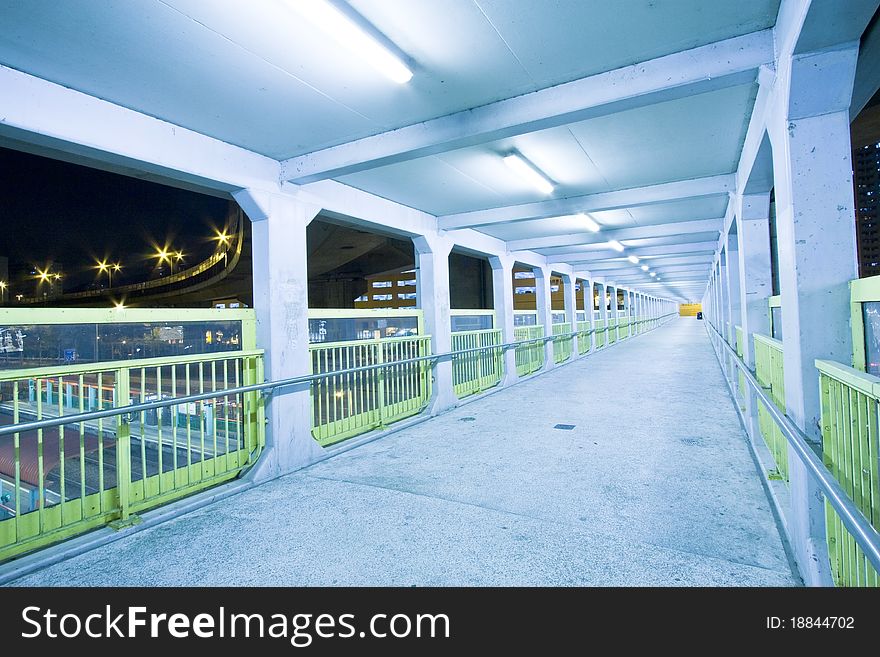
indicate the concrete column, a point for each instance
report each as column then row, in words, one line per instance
column 280, row 275
column 432, row 276
column 612, row 308
column 502, row 292
column 587, row 284
column 570, row 300
column 753, row 232
column 603, row 309
column 809, row 129
column 626, row 308
column 545, row 313
column 733, row 301
column 637, row 304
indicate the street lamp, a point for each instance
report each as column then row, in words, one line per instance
column 3, row 286
column 223, row 241
column 104, row 267
column 170, row 257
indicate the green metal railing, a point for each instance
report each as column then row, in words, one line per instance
column 477, row 371
column 770, row 374
column 850, row 405
column 562, row 347
column 64, row 480
column 583, row 339
column 624, row 327
column 530, row 356
column 846, row 474
column 611, row 332
column 351, row 403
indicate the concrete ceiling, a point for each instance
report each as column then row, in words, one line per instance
column 651, row 166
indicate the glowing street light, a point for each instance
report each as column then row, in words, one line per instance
column 3, row 286
column 104, row 267
column 170, row 257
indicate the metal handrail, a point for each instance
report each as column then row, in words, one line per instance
column 270, row 386
column 855, row 522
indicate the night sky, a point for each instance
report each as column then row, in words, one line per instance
column 55, row 211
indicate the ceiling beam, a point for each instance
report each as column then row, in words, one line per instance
column 614, row 200
column 642, row 252
column 654, row 265
column 635, row 232
column 714, row 66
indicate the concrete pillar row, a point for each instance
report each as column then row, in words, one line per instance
column 432, row 276
column 502, row 293
column 280, row 274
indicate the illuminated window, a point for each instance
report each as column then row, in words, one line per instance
column 524, row 290
column 411, row 281
column 382, row 283
column 383, row 297
column 406, row 295
column 523, row 274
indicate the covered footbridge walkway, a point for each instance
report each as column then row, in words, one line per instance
column 653, row 484
column 603, row 167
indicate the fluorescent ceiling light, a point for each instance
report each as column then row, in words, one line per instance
column 350, row 35
column 617, row 246
column 589, row 222
column 653, row 274
column 645, row 268
column 528, row 172
column 633, row 259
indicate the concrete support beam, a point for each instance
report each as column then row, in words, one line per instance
column 56, row 118
column 615, row 200
column 637, row 232
column 502, row 293
column 432, row 276
column 278, row 232
column 705, row 68
column 699, row 248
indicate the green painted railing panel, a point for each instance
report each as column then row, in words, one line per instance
column 529, row 357
column 562, row 347
column 478, row 370
column 69, row 479
column 850, row 452
column 611, row 333
column 601, row 334
column 583, row 339
column 770, row 374
column 350, row 404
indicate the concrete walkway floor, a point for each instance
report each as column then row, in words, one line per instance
column 655, row 485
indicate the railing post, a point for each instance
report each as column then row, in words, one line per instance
column 380, row 384
column 123, row 443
